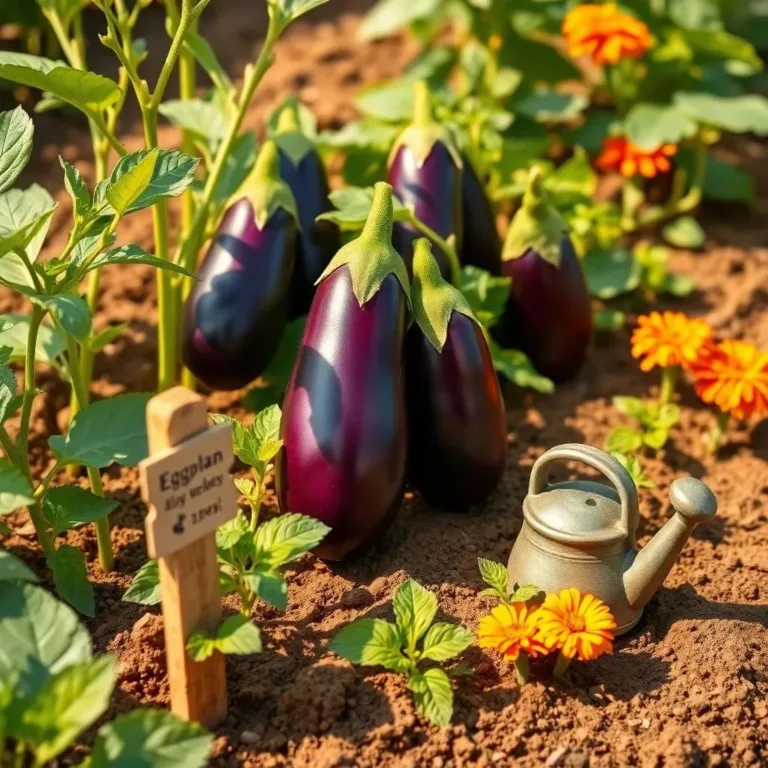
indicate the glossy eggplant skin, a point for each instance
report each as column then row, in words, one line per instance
column 434, row 191
column 237, row 311
column 549, row 314
column 457, row 425
column 317, row 241
column 481, row 244
column 344, row 425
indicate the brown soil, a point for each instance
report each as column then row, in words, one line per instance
column 688, row 687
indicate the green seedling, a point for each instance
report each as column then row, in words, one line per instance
column 654, row 424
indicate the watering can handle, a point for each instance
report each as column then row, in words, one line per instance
column 601, row 461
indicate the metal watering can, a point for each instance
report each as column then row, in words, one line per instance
column 582, row 534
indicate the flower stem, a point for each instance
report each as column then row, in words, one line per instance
column 522, row 668
column 561, row 665
column 669, row 378
column 718, row 432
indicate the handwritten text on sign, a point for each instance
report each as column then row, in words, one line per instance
column 189, row 490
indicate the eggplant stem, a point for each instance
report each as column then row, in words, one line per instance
column 445, row 246
column 422, row 104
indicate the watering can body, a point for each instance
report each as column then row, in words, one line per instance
column 582, row 534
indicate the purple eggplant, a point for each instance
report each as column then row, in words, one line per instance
column 457, row 426
column 237, row 311
column 302, row 170
column 425, row 173
column 549, row 314
column 481, row 244
column 343, row 425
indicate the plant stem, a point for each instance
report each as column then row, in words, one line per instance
column 561, row 665
column 669, row 378
column 718, row 432
column 522, row 668
column 7, row 445
column 103, row 539
column 442, row 243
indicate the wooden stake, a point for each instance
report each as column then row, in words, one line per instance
column 186, row 458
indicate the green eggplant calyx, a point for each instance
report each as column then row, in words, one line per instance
column 289, row 137
column 536, row 226
column 265, row 190
column 433, row 299
column 423, row 132
column 371, row 257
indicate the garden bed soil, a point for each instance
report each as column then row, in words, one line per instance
column 688, row 687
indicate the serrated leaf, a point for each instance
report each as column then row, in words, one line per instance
column 269, row 585
column 51, row 342
column 525, row 592
column 105, row 432
column 13, row 569
column 153, row 738
column 15, row 490
column 353, row 205
column 68, row 310
column 25, row 215
column 285, row 538
column 265, row 429
column 371, row 642
column 623, row 440
column 70, row 577
column 518, row 368
column 443, row 641
column 611, row 272
column 202, row 118
column 69, row 506
column 85, row 90
column 415, row 608
column 70, row 702
column 145, row 587
column 228, row 534
column 134, row 254
column 16, row 138
column 124, row 189
column 493, row 574
column 433, row 695
column 77, row 189
column 684, row 232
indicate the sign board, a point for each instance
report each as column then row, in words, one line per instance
column 189, row 490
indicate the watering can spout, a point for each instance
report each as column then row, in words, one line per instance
column 694, row 503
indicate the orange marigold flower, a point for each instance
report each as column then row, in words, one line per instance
column 578, row 626
column 622, row 156
column 669, row 339
column 733, row 376
column 604, row 33
column 511, row 629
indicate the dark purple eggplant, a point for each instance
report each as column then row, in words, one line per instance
column 302, row 170
column 425, row 173
column 549, row 314
column 237, row 311
column 457, row 426
column 481, row 244
column 343, row 425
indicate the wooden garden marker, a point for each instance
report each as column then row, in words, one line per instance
column 187, row 485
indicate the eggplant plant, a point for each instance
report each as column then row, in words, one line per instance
column 58, row 332
column 236, row 313
column 53, row 689
column 457, row 424
column 343, row 425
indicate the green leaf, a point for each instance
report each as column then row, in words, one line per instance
column 723, row 181
column 665, row 417
column 623, row 440
column 678, row 285
column 487, row 294
column 517, row 367
column 150, row 738
column 238, row 635
column 740, row 114
column 684, row 232
column 16, row 138
column 572, row 182
column 353, row 205
column 70, row 577
column 721, row 44
column 286, row 11
column 611, row 272
column 432, row 695
column 25, row 215
column 360, row 134
column 635, row 468
column 51, row 342
column 124, row 189
column 145, row 587
column 106, row 336
column 13, row 569
column 390, row 16
column 70, row 702
column 206, row 57
column 650, row 125
column 69, row 311
column 269, row 586
column 228, row 534
column 372, row 643
column 493, row 574
column 202, row 118
column 85, row 90
column 69, row 506
column 548, row 106
column 631, row 406
column 134, row 254
column 266, row 432
column 525, row 592
column 656, row 438
column 539, row 60
column 36, row 626
column 415, row 608
column 608, row 319
column 443, row 641
column 77, row 189
column 200, row 646
column 390, row 102
column 285, row 538
column 172, row 173
column 238, row 164
column 107, row 431
column 15, row 490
